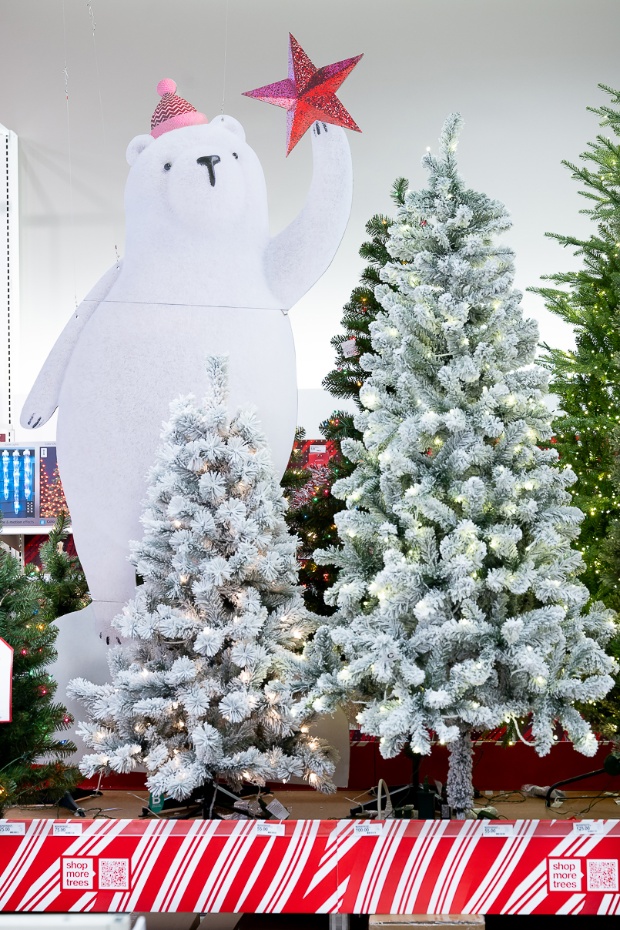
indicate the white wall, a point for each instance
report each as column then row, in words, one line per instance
column 521, row 72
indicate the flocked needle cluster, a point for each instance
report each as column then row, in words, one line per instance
column 204, row 686
column 459, row 604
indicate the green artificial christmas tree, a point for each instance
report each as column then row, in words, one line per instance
column 62, row 586
column 312, row 507
column 587, row 379
column 31, row 767
column 346, row 379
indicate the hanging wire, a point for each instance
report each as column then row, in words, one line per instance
column 91, row 14
column 71, row 210
column 225, row 53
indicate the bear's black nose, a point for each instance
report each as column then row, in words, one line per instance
column 210, row 161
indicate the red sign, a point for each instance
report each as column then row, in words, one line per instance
column 317, row 452
column 311, row 866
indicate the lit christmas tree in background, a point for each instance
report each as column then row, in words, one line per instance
column 53, row 500
column 459, row 607
column 587, row 378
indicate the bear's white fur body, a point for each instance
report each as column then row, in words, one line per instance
column 200, row 276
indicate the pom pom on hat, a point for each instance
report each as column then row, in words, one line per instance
column 172, row 111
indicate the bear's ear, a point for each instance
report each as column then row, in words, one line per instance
column 137, row 146
column 229, row 123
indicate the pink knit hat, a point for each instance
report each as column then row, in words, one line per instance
column 172, row 112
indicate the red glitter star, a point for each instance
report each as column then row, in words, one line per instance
column 308, row 94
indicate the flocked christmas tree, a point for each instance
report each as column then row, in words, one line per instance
column 31, row 754
column 459, row 606
column 203, row 689
column 312, row 507
column 587, row 378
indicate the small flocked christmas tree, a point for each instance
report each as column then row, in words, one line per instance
column 312, row 507
column 62, row 586
column 204, row 689
column 587, row 378
column 30, row 738
column 459, row 607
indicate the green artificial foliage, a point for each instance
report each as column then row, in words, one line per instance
column 62, row 583
column 310, row 514
column 346, row 379
column 31, row 767
column 312, row 508
column 587, row 379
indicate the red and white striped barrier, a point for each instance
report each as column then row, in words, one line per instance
column 311, row 866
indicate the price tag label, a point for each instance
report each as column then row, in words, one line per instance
column 494, row 828
column 12, row 829
column 367, row 828
column 587, row 827
column 67, row 829
column 349, row 348
column 264, row 828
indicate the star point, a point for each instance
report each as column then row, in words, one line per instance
column 308, row 93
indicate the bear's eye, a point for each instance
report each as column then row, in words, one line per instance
column 235, row 155
column 167, row 166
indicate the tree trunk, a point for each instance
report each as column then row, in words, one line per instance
column 460, row 786
column 208, row 801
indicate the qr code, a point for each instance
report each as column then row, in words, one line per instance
column 114, row 874
column 602, row 875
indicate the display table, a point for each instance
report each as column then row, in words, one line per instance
column 311, row 866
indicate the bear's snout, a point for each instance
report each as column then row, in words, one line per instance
column 210, row 161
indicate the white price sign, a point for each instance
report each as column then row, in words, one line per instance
column 77, row 873
column 493, row 828
column 587, row 827
column 367, row 828
column 263, row 828
column 67, row 829
column 565, row 874
column 6, row 681
column 12, row 829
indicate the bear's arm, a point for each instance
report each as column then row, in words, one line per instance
column 298, row 256
column 43, row 398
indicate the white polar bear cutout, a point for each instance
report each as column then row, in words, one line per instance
column 200, row 276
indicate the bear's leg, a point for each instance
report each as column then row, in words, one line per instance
column 111, row 577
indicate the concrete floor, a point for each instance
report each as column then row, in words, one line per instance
column 309, row 805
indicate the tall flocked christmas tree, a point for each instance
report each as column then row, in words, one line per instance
column 459, row 607
column 203, row 689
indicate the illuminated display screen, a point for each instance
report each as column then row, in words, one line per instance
column 17, row 495
column 30, row 490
